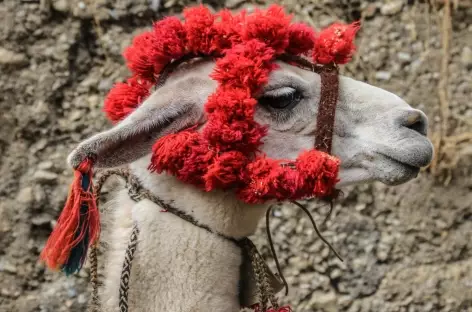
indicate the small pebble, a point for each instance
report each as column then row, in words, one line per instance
column 45, row 176
column 383, row 75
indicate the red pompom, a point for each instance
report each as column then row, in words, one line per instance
column 335, row 44
column 124, row 98
column 301, row 39
column 226, row 171
column 269, row 26
column 319, row 171
column 229, row 28
column 202, row 36
column 245, row 66
column 231, row 104
column 184, row 154
column 141, row 56
column 242, row 135
column 269, row 181
column 281, row 309
column 170, row 37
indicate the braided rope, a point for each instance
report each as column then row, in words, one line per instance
column 94, row 305
column 126, row 271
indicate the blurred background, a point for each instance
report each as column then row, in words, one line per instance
column 405, row 248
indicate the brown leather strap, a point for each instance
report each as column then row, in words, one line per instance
column 328, row 99
column 326, row 109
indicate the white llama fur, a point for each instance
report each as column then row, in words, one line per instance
column 181, row 267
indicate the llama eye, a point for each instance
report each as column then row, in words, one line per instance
column 283, row 98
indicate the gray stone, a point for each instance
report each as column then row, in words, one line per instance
column 105, row 85
column 404, row 57
column 392, row 7
column 41, row 220
column 383, row 75
column 75, row 115
column 12, row 58
column 466, row 57
column 45, row 165
column 45, row 176
column 25, row 195
column 60, row 5
column 6, row 266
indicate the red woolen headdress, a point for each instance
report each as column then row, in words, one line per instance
column 225, row 154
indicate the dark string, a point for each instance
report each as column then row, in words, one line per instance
column 316, row 229
column 271, row 244
column 272, row 249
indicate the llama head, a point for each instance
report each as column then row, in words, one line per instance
column 253, row 117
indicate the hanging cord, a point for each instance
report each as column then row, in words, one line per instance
column 316, row 229
column 271, row 244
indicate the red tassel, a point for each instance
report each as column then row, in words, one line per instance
column 281, row 309
column 78, row 226
column 256, row 308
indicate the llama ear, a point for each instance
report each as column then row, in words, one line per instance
column 162, row 113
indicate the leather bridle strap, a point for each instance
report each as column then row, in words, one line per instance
column 328, row 99
column 327, row 109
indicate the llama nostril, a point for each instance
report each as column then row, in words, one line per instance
column 416, row 120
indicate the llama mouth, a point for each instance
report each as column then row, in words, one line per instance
column 401, row 171
column 408, row 165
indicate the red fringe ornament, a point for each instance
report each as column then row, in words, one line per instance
column 229, row 28
column 246, row 46
column 270, row 27
column 184, row 154
column 78, row 226
column 335, row 44
column 281, row 309
column 256, row 308
column 246, row 66
column 301, row 39
column 142, row 58
column 226, row 171
column 124, row 98
column 170, row 40
column 202, row 35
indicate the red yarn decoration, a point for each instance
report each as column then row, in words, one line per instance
column 301, row 39
column 141, row 57
column 335, row 44
column 229, row 28
column 314, row 173
column 226, row 171
column 225, row 153
column 124, row 98
column 257, row 308
column 202, row 35
column 270, row 27
column 245, row 66
column 184, row 154
column 170, row 42
column 76, row 226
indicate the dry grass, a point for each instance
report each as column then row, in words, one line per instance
column 448, row 146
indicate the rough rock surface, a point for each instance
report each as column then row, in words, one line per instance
column 405, row 248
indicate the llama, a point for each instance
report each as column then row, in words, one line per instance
column 179, row 266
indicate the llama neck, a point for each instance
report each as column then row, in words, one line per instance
column 176, row 265
column 220, row 211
